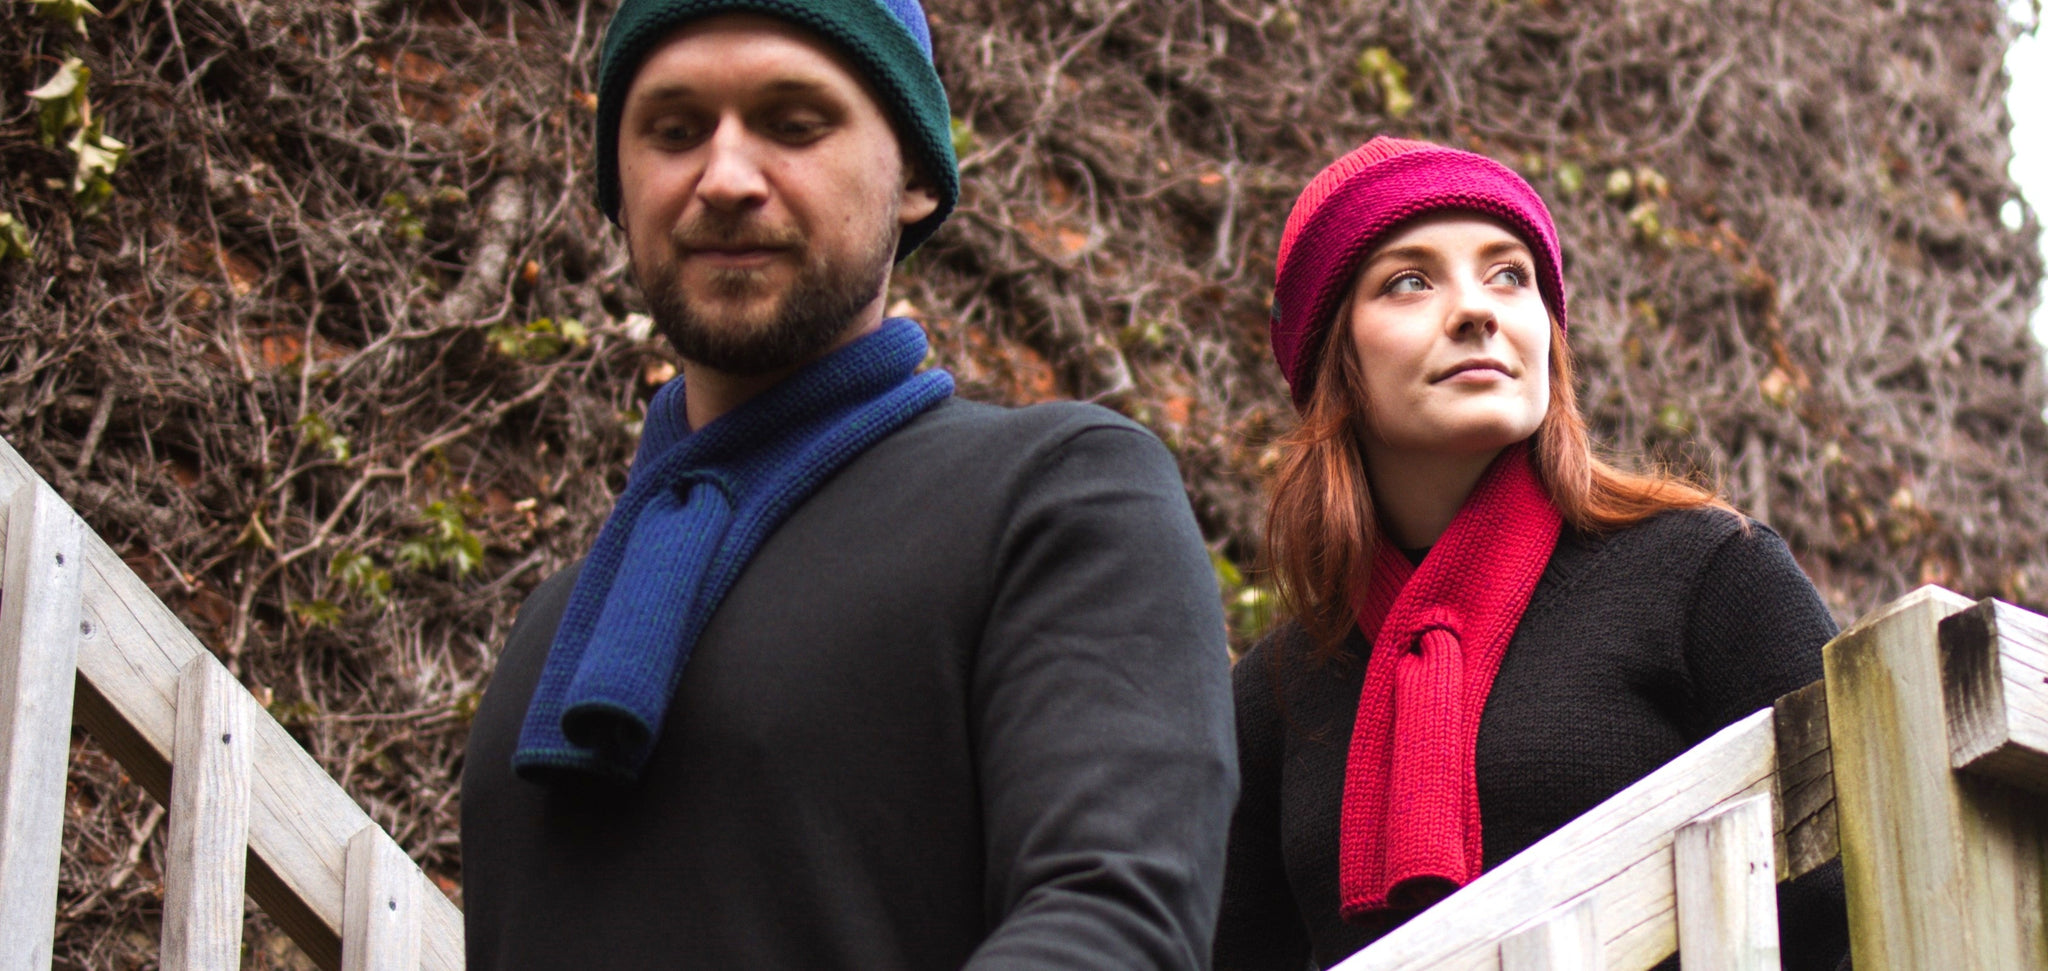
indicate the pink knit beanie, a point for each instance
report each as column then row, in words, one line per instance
column 1361, row 198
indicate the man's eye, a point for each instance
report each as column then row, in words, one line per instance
column 797, row 128
column 674, row 131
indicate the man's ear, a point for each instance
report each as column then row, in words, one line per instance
column 917, row 200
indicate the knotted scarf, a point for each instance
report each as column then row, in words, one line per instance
column 696, row 507
column 1410, row 827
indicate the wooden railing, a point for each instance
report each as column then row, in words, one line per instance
column 1921, row 760
column 82, row 638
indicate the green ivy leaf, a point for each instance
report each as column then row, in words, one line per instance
column 99, row 156
column 72, row 12
column 538, row 340
column 316, row 613
column 360, row 573
column 963, row 136
column 448, row 541
column 14, row 240
column 315, row 431
column 1378, row 66
column 62, row 100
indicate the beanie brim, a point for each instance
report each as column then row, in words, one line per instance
column 901, row 75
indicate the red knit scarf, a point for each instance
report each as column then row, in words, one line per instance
column 1410, row 830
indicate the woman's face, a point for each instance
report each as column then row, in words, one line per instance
column 1452, row 337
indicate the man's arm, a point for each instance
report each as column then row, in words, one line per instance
column 1101, row 695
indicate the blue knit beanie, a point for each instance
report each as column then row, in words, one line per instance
column 887, row 41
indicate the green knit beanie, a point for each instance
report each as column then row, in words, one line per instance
column 887, row 41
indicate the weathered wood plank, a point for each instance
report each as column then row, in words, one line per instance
column 1806, row 782
column 1994, row 679
column 1943, row 870
column 39, row 630
column 300, row 820
column 380, row 927
column 1728, row 889
column 209, row 837
column 1566, row 939
column 1618, row 857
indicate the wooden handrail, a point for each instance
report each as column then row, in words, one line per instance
column 131, row 650
column 1921, row 760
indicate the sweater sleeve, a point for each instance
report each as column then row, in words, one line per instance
column 1754, row 633
column 1260, row 928
column 1100, row 699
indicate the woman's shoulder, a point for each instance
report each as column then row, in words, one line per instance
column 1692, row 541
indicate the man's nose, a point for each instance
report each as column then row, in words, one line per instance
column 732, row 178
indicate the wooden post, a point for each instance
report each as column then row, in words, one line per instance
column 1943, row 870
column 1728, row 889
column 1806, row 782
column 209, row 837
column 380, row 922
column 1994, row 680
column 39, row 617
column 1564, row 939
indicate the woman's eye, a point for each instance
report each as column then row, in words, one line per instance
column 1406, row 283
column 1512, row 276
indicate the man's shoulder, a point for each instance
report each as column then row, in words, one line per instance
column 975, row 440
column 979, row 421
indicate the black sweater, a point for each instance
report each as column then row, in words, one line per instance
column 969, row 705
column 1635, row 647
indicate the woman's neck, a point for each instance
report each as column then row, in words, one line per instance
column 1418, row 494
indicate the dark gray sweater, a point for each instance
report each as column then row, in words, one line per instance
column 1634, row 648
column 969, row 705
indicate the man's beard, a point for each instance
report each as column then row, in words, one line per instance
column 808, row 318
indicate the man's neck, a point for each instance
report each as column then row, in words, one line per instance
column 709, row 393
column 1418, row 494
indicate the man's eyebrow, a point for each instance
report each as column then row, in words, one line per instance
column 667, row 91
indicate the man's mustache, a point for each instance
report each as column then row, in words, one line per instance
column 717, row 232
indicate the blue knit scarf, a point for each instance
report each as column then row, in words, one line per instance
column 696, row 508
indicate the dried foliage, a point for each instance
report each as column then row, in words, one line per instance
column 347, row 360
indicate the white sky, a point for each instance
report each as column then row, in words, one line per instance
column 2028, row 103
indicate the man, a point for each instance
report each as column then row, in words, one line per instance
column 857, row 674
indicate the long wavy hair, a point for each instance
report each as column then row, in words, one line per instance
column 1322, row 531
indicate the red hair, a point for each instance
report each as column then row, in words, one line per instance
column 1321, row 528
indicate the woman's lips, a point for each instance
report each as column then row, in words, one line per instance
column 1478, row 370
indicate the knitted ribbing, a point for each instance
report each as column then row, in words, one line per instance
column 1410, row 830
column 696, row 507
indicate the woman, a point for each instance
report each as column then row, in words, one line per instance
column 1493, row 630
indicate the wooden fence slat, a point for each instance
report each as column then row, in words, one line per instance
column 380, row 924
column 300, row 820
column 1944, row 870
column 1618, row 856
column 1806, row 782
column 1994, row 680
column 39, row 631
column 1566, row 939
column 1728, row 889
column 209, row 837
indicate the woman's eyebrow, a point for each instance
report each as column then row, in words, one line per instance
column 1405, row 254
column 1503, row 247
